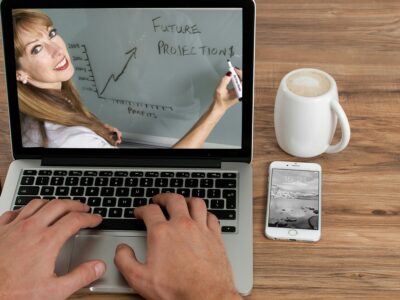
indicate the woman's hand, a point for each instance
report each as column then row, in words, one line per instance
column 224, row 98
column 115, row 132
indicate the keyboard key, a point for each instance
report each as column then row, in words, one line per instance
column 217, row 203
column 75, row 173
column 124, row 202
column 225, row 183
column 100, row 211
column 27, row 180
column 57, row 180
column 121, row 192
column 152, row 174
column 175, row 182
column 107, row 191
column 122, row 224
column 136, row 174
column 115, row 212
column 77, row 191
column 30, row 172
column 71, row 181
column 139, row 202
column 41, row 180
column 45, row 172
column 94, row 201
column 146, row 182
column 206, row 183
column 129, row 213
column 191, row 182
column 23, row 200
column 229, row 175
column 86, row 181
column 213, row 193
column 121, row 173
column 183, row 174
column 137, row 192
column 222, row 214
column 213, row 175
column 116, row 181
column 101, row 181
column 200, row 193
column 183, row 192
column 109, row 202
column 168, row 190
column 106, row 173
column 62, row 191
column 92, row 191
column 131, row 182
column 90, row 173
column 228, row 229
column 80, row 199
column 47, row 190
column 167, row 174
column 60, row 173
column 161, row 182
column 198, row 175
column 150, row 192
column 230, row 196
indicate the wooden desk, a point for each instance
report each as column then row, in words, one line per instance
column 358, row 42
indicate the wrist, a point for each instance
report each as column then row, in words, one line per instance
column 217, row 110
column 232, row 295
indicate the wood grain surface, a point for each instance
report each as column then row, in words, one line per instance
column 358, row 43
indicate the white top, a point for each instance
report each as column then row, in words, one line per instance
column 60, row 136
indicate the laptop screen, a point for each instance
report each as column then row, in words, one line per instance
column 130, row 77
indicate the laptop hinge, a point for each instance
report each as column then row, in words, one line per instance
column 125, row 162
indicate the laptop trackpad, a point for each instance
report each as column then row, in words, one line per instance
column 89, row 247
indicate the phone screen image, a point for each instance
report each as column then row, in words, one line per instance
column 294, row 199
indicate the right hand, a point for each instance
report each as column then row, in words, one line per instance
column 185, row 255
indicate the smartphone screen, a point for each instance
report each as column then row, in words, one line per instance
column 294, row 197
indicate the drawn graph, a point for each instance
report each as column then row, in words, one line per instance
column 87, row 78
column 132, row 53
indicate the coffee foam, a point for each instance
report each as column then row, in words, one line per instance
column 308, row 83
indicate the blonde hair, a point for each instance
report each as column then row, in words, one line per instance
column 45, row 104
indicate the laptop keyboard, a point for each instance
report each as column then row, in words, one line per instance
column 115, row 194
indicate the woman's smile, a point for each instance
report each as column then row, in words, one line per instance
column 62, row 65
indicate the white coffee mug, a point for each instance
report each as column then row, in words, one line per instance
column 306, row 112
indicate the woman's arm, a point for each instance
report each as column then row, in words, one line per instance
column 224, row 98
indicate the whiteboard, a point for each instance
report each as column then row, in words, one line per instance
column 152, row 72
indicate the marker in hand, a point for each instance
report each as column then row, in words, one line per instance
column 236, row 80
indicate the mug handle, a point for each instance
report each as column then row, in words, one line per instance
column 344, row 124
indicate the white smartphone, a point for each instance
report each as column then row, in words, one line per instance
column 294, row 201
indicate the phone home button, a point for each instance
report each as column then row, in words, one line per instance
column 292, row 232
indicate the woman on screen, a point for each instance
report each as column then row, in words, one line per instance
column 52, row 114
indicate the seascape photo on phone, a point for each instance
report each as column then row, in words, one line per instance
column 294, row 199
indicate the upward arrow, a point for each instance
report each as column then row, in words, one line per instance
column 132, row 53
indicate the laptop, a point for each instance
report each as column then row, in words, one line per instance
column 147, row 71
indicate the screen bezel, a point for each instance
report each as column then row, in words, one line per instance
column 244, row 154
column 282, row 233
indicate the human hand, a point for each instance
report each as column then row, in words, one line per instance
column 224, row 98
column 116, row 133
column 30, row 240
column 185, row 255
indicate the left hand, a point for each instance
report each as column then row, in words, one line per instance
column 30, row 241
column 117, row 132
column 224, row 98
